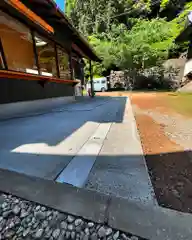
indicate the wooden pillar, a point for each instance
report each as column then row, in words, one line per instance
column 35, row 52
column 91, row 79
column 71, row 65
column 57, row 60
column 3, row 56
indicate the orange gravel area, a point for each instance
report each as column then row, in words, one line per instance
column 169, row 165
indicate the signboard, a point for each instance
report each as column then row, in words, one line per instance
column 60, row 4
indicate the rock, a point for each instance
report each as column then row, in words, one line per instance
column 116, row 235
column 24, row 213
column 9, row 234
column 16, row 201
column 67, row 235
column 108, row 231
column 4, row 205
column 38, row 208
column 40, row 215
column 73, row 235
column 39, row 233
column 64, row 225
column 43, row 209
column 87, row 231
column 134, row 238
column 45, row 224
column 1, row 218
column 70, row 227
column 48, row 213
column 78, row 228
column 78, row 222
column 124, row 237
column 101, row 232
column 56, row 233
column 91, row 224
column 70, row 219
column 94, row 236
column 48, row 233
column 26, row 232
column 86, row 237
column 6, row 213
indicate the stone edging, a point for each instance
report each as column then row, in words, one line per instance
column 145, row 221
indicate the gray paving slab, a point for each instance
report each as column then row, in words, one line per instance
column 120, row 169
column 147, row 221
column 59, row 196
column 150, row 222
column 44, row 145
column 78, row 169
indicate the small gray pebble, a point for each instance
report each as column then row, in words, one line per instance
column 50, row 217
column 48, row 213
column 56, row 233
column 67, row 235
column 78, row 222
column 108, row 231
column 70, row 219
column 45, row 223
column 26, row 232
column 134, row 238
column 6, row 213
column 73, row 235
column 90, row 224
column 87, row 231
column 9, row 234
column 40, row 215
column 38, row 208
column 64, row 225
column 78, row 228
column 101, row 232
column 39, row 233
column 4, row 205
column 86, row 237
column 43, row 209
column 16, row 200
column 70, row 227
column 24, row 213
column 116, row 235
column 124, row 237
column 48, row 233
column 16, row 210
column 94, row 236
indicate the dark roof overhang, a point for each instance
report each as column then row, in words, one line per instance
column 49, row 11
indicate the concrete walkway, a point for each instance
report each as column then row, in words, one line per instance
column 92, row 144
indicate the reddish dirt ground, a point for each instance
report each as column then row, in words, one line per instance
column 170, row 167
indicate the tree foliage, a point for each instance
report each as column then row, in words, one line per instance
column 130, row 34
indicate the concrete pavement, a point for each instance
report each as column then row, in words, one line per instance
column 65, row 144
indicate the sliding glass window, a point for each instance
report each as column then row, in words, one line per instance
column 46, row 56
column 64, row 68
column 17, row 45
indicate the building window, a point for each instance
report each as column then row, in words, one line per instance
column 46, row 56
column 17, row 44
column 63, row 59
column 2, row 66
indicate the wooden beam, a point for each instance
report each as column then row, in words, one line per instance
column 31, row 15
column 31, row 77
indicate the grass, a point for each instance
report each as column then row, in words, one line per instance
column 181, row 103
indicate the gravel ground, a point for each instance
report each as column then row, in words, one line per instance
column 21, row 219
column 167, row 143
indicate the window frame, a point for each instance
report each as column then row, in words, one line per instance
column 4, row 61
column 56, row 45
